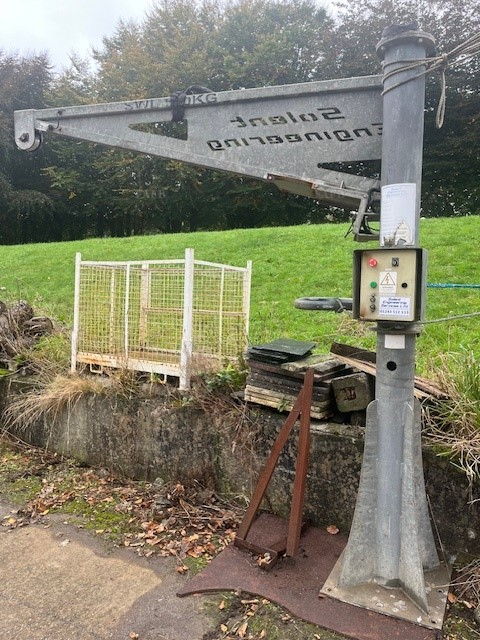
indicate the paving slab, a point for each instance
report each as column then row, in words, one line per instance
column 61, row 583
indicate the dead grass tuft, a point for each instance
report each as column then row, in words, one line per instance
column 52, row 395
column 454, row 424
column 467, row 582
column 215, row 395
column 350, row 327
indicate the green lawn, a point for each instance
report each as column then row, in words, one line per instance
column 288, row 262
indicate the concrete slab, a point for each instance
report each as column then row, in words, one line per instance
column 60, row 583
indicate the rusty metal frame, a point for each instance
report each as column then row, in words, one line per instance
column 289, row 545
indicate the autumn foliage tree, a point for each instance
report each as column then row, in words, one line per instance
column 76, row 189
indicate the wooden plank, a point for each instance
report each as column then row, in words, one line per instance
column 263, row 366
column 320, row 380
column 278, row 370
column 278, row 395
column 288, row 386
column 271, row 380
column 319, row 363
column 338, row 348
column 423, row 388
column 281, row 405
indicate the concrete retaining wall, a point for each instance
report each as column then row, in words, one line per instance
column 168, row 437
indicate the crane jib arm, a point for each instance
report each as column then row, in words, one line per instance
column 275, row 133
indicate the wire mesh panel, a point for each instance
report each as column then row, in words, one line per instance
column 171, row 316
column 156, row 311
column 102, row 310
column 219, row 326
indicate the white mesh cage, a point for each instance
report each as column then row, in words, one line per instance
column 173, row 317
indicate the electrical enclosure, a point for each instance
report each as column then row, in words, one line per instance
column 389, row 284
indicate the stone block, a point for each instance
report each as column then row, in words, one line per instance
column 352, row 392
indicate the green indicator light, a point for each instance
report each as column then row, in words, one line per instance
column 373, row 284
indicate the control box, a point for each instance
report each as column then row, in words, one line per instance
column 389, row 284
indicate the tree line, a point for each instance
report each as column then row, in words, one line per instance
column 70, row 189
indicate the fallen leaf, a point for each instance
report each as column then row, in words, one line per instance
column 263, row 633
column 133, row 635
column 222, row 605
column 181, row 568
column 451, row 597
column 332, row 529
column 242, row 630
column 192, row 538
column 223, row 628
column 264, row 560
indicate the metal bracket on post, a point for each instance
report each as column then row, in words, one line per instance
column 390, row 563
column 342, row 190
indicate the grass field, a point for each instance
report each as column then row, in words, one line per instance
column 288, row 262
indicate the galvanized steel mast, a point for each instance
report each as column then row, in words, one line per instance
column 391, row 540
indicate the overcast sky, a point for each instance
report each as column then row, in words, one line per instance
column 62, row 26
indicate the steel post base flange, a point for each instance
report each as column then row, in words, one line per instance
column 392, row 601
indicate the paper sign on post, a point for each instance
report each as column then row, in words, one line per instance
column 397, row 223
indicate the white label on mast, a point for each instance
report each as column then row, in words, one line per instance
column 398, row 207
column 394, row 306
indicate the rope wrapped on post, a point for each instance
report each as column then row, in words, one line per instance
column 458, row 55
column 451, row 285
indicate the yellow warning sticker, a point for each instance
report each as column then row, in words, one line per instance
column 387, row 282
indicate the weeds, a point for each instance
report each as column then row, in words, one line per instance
column 467, row 582
column 230, row 378
column 51, row 353
column 52, row 395
column 454, row 424
column 215, row 395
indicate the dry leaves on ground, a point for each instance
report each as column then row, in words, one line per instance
column 165, row 519
column 332, row 529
